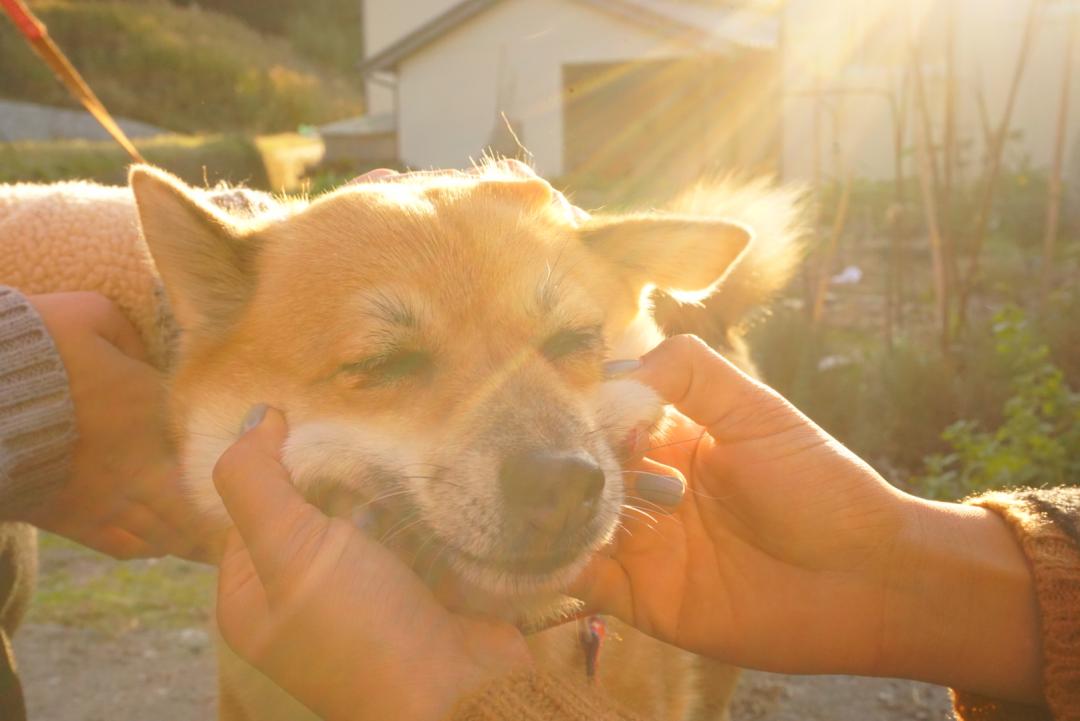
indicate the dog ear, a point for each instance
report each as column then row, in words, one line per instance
column 671, row 252
column 204, row 259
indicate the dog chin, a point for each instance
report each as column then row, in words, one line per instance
column 530, row 600
column 510, row 583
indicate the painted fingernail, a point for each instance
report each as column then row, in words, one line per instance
column 254, row 417
column 363, row 519
column 658, row 489
column 616, row 368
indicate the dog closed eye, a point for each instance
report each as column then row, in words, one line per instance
column 572, row 340
column 388, row 368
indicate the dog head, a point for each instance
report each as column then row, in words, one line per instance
column 437, row 346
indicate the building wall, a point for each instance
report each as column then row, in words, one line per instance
column 865, row 48
column 509, row 59
column 386, row 22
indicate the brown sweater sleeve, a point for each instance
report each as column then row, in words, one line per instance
column 537, row 696
column 1047, row 525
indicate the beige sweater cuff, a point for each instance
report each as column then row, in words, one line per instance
column 1046, row 523
column 537, row 696
column 37, row 421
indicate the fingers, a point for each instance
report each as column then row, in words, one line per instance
column 268, row 512
column 373, row 176
column 385, row 175
column 653, row 487
column 698, row 381
column 119, row 331
column 82, row 313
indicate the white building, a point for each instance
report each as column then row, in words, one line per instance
column 683, row 87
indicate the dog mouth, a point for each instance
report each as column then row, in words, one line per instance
column 393, row 520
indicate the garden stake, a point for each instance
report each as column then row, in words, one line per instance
column 37, row 36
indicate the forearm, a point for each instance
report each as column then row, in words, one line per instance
column 962, row 609
column 37, row 427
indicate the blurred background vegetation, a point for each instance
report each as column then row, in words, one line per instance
column 214, row 75
column 997, row 405
column 212, row 67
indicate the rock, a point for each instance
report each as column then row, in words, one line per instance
column 195, row 640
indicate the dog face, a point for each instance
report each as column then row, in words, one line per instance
column 437, row 347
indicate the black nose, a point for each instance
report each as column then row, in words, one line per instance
column 551, row 491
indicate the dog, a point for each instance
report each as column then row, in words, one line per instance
column 438, row 346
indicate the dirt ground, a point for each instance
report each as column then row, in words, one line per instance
column 131, row 642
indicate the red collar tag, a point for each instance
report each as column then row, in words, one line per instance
column 591, row 632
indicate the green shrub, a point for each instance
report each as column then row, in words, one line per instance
column 890, row 406
column 187, row 70
column 1038, row 440
column 198, row 160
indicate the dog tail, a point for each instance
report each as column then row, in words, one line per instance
column 777, row 218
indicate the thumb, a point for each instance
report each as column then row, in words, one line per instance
column 270, row 515
column 243, row 609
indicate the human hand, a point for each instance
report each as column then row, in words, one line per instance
column 124, row 496
column 333, row 617
column 791, row 554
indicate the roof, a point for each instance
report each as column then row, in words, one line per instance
column 30, row 121
column 361, row 125
column 704, row 27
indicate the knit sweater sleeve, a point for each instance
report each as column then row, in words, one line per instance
column 1046, row 523
column 37, row 422
column 537, row 696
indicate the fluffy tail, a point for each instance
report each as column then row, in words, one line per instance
column 777, row 217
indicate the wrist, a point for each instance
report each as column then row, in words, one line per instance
column 960, row 606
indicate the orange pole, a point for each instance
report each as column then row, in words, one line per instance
column 37, row 36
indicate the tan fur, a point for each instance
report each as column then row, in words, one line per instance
column 290, row 304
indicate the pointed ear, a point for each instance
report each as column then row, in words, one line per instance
column 204, row 259
column 672, row 252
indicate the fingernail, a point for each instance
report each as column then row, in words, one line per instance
column 254, row 417
column 616, row 368
column 658, row 489
column 363, row 519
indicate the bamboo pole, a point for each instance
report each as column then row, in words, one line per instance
column 825, row 267
column 1053, row 205
column 948, row 151
column 894, row 298
column 993, row 172
column 929, row 184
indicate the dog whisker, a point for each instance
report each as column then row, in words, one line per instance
column 641, row 511
column 411, row 521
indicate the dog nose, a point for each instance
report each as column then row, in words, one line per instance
column 551, row 491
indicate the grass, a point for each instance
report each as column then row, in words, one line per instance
column 185, row 69
column 197, row 159
column 81, row 588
